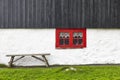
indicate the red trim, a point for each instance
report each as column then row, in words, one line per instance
column 71, row 31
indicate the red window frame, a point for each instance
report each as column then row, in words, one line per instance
column 71, row 31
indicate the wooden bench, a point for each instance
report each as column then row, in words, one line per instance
column 43, row 59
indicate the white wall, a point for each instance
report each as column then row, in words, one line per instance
column 103, row 47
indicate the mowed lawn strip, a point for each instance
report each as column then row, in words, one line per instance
column 62, row 73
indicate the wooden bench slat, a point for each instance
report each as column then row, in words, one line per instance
column 27, row 54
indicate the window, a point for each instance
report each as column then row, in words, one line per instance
column 77, row 38
column 64, row 38
column 70, row 38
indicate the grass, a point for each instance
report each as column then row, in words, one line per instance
column 62, row 73
column 2, row 65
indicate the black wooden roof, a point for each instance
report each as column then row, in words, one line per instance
column 59, row 13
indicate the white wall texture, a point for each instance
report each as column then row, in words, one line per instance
column 103, row 47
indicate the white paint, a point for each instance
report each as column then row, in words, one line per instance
column 103, row 47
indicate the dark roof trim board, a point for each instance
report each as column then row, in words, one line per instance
column 59, row 14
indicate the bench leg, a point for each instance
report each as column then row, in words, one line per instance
column 46, row 61
column 11, row 61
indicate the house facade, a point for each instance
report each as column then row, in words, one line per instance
column 74, row 32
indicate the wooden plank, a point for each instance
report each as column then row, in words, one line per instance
column 19, row 58
column 11, row 61
column 1, row 13
column 46, row 61
column 27, row 54
column 38, row 58
column 59, row 14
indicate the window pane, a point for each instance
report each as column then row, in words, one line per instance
column 64, row 38
column 80, row 41
column 64, row 35
column 80, row 34
column 77, row 38
column 77, row 34
column 67, row 41
column 74, row 41
column 61, row 42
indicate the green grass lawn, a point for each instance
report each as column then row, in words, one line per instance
column 62, row 73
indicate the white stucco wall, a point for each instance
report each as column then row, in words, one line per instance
column 103, row 47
